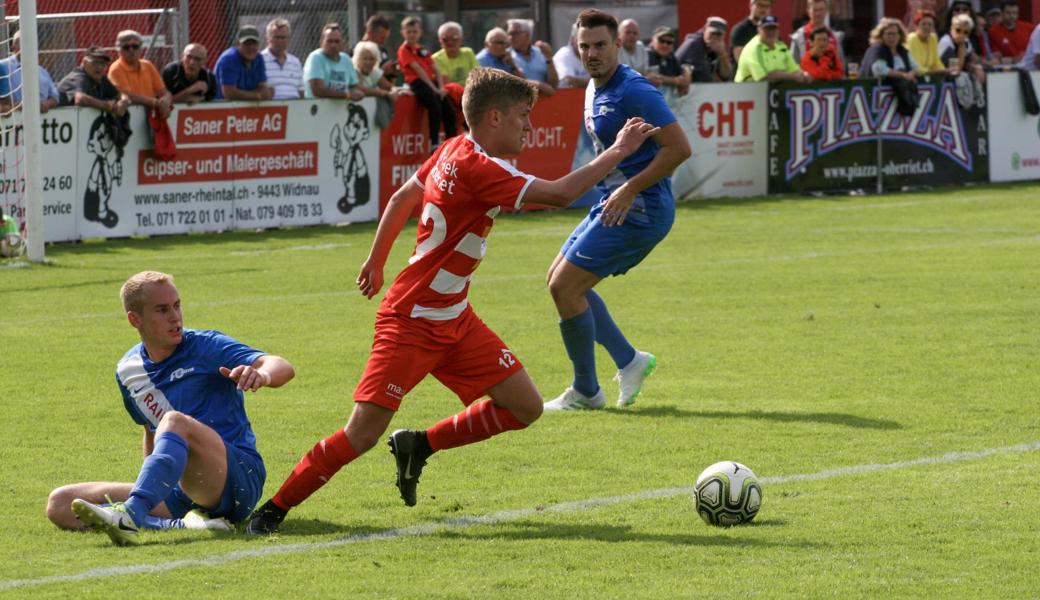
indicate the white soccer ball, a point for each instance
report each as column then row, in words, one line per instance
column 727, row 493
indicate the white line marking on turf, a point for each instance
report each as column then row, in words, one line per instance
column 495, row 518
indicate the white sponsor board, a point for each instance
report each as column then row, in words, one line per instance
column 726, row 125
column 238, row 165
column 1014, row 153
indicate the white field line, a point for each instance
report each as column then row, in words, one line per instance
column 425, row 529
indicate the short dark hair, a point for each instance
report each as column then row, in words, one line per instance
column 1007, row 3
column 591, row 18
column 817, row 31
column 377, row 21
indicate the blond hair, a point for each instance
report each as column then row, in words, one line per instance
column 885, row 23
column 132, row 292
column 493, row 88
column 962, row 20
column 361, row 49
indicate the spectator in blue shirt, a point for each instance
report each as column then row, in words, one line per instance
column 11, row 80
column 535, row 60
column 240, row 70
column 495, row 54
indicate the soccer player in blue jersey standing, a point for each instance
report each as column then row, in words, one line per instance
column 185, row 386
column 635, row 212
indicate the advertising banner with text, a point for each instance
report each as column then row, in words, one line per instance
column 724, row 123
column 237, row 165
column 555, row 146
column 824, row 137
column 1015, row 155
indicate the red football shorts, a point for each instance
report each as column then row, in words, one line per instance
column 463, row 354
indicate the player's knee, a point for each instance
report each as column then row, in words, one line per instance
column 528, row 410
column 59, row 507
column 363, row 440
column 175, row 422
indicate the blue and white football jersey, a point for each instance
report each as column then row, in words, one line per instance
column 189, row 381
column 628, row 94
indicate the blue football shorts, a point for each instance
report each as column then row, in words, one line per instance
column 245, row 483
column 614, row 250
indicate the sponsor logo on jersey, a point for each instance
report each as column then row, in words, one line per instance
column 180, row 373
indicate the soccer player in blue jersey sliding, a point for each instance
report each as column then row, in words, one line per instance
column 185, row 386
column 635, row 212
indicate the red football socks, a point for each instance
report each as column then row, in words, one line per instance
column 315, row 469
column 478, row 422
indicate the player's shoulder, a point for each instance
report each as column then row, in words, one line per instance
column 134, row 355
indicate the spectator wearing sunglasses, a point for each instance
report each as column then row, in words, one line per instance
column 664, row 69
column 137, row 77
column 188, row 79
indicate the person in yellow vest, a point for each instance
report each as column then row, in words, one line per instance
column 766, row 58
column 923, row 44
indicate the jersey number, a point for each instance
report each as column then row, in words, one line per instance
column 440, row 230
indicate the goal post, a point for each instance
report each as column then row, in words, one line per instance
column 32, row 131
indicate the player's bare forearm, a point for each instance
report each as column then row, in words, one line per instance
column 675, row 149
column 563, row 191
column 277, row 370
column 398, row 209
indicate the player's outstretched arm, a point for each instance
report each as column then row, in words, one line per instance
column 267, row 371
column 563, row 191
column 400, row 207
column 675, row 149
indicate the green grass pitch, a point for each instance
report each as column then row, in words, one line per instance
column 795, row 335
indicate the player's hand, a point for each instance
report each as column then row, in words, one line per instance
column 633, row 134
column 246, row 377
column 616, row 207
column 369, row 280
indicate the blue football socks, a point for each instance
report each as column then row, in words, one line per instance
column 579, row 338
column 607, row 332
column 159, row 473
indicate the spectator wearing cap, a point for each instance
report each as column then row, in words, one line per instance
column 188, row 79
column 11, row 80
column 818, row 15
column 821, row 62
column 241, row 73
column 1010, row 36
column 568, row 64
column 495, row 54
column 329, row 72
column 535, row 60
column 1031, row 59
column 923, row 44
column 284, row 71
column 746, row 30
column 632, row 52
column 137, row 77
column 705, row 51
column 87, row 85
column 665, row 71
column 766, row 58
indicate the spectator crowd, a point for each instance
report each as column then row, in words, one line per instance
column 957, row 42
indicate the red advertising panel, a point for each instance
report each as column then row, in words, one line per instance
column 549, row 147
column 240, row 124
column 229, row 163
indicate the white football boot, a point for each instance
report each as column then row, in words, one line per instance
column 572, row 399
column 196, row 519
column 114, row 520
column 630, row 378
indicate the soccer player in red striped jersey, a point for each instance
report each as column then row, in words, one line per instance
column 425, row 324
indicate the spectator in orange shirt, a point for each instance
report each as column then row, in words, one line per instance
column 821, row 62
column 137, row 77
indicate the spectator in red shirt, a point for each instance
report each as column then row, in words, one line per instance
column 821, row 61
column 425, row 81
column 1010, row 37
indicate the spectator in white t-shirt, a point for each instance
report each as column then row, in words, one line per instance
column 1031, row 59
column 284, row 71
column 633, row 52
column 568, row 65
